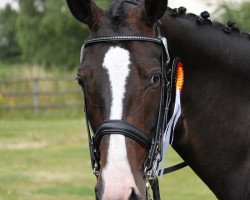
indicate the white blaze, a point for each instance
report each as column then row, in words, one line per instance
column 117, row 61
column 117, row 175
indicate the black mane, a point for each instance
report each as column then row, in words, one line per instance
column 117, row 10
column 203, row 20
column 222, row 45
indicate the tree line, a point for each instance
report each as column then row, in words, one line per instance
column 239, row 12
column 44, row 32
column 41, row 32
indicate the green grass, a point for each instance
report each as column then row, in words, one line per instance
column 48, row 159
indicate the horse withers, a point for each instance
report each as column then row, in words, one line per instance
column 123, row 78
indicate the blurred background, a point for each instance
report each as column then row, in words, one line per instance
column 43, row 144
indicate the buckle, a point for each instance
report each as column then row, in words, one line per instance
column 96, row 172
column 165, row 44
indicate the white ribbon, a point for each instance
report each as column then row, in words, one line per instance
column 168, row 135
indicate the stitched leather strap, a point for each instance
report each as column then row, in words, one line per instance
column 122, row 38
column 122, row 128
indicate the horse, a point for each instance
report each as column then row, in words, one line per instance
column 123, row 76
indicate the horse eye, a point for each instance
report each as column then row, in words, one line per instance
column 155, row 80
column 80, row 81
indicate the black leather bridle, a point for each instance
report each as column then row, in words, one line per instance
column 153, row 145
column 124, row 128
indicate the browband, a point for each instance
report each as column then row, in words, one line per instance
column 158, row 40
column 122, row 38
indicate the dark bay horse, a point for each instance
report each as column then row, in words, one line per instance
column 122, row 80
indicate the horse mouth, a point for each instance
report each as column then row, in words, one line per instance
column 133, row 196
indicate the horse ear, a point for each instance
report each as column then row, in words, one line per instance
column 85, row 11
column 154, row 10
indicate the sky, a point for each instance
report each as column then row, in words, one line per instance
column 4, row 2
column 193, row 6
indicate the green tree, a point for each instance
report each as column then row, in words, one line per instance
column 48, row 34
column 239, row 13
column 9, row 48
column 27, row 25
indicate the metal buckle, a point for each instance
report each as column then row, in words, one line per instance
column 152, row 174
column 82, row 52
column 148, row 196
column 96, row 172
column 165, row 44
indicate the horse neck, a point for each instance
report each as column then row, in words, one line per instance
column 191, row 41
column 212, row 136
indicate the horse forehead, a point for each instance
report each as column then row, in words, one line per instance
column 116, row 58
column 127, row 21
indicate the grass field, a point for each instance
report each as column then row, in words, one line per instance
column 48, row 159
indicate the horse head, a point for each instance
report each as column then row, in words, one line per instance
column 121, row 79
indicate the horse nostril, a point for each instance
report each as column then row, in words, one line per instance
column 133, row 196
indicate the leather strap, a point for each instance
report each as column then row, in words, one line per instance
column 155, row 188
column 172, row 169
column 91, row 40
column 154, row 183
column 122, row 128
